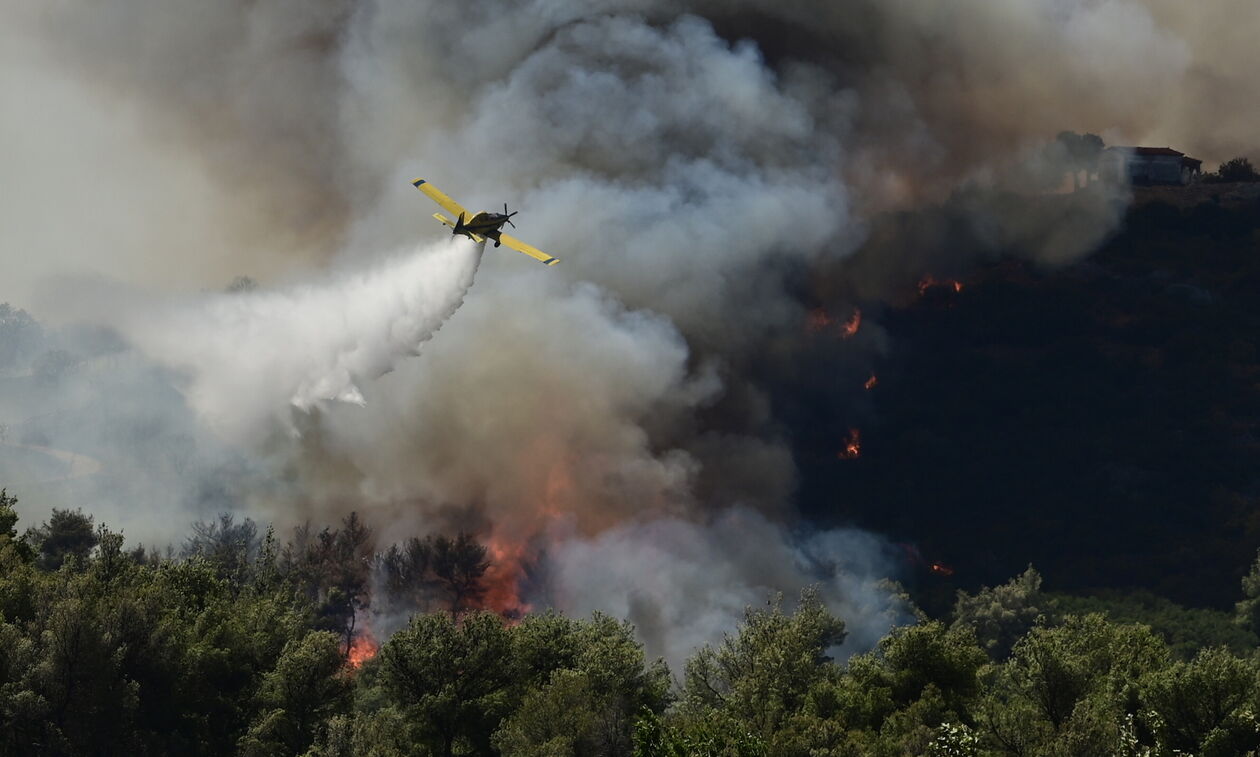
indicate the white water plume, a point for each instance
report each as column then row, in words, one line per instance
column 251, row 356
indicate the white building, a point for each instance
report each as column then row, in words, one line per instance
column 1149, row 165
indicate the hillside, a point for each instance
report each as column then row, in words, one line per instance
column 1100, row 420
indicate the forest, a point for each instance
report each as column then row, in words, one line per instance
column 241, row 642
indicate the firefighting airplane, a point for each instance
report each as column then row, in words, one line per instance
column 481, row 226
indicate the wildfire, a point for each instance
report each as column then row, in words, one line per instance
column 362, row 648
column 817, row 320
column 852, row 446
column 505, row 576
column 941, row 569
column 851, row 326
column 928, row 282
column 512, row 547
column 871, row 383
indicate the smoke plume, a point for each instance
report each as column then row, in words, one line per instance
column 696, row 167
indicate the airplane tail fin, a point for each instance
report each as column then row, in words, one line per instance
column 459, row 225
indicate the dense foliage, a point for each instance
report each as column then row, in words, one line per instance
column 1235, row 169
column 239, row 646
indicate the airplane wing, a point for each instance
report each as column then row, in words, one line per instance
column 529, row 250
column 441, row 198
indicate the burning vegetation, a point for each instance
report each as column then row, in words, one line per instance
column 363, row 647
column 849, row 328
column 819, row 320
column 852, row 449
column 929, row 282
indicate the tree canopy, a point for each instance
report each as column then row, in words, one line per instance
column 238, row 646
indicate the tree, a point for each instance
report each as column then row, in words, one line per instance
column 20, row 336
column 406, row 577
column 712, row 734
column 1001, row 615
column 452, row 680
column 436, row 569
column 583, row 682
column 1247, row 612
column 78, row 672
column 1204, row 707
column 66, row 534
column 377, row 733
column 1069, row 686
column 332, row 569
column 1237, row 169
column 459, row 565
column 17, row 574
column 897, row 698
column 1081, row 153
column 763, row 674
column 305, row 689
column 241, row 284
column 229, row 546
column 561, row 718
column 8, row 515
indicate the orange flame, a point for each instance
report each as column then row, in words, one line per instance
column 510, row 548
column 504, row 577
column 852, row 325
column 927, row 282
column 941, row 569
column 870, row 383
column 363, row 647
column 816, row 320
column 852, row 446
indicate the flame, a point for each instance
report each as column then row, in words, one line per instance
column 871, row 383
column 363, row 647
column 512, row 546
column 852, row 446
column 941, row 569
column 508, row 560
column 851, row 326
column 927, row 282
column 817, row 320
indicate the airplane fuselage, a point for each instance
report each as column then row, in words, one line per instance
column 484, row 224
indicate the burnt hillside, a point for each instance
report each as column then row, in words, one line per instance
column 1101, row 421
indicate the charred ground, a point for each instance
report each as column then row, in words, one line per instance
column 1099, row 420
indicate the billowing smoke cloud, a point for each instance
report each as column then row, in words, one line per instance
column 691, row 171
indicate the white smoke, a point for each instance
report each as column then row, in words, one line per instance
column 251, row 357
column 685, row 584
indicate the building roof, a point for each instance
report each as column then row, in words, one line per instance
column 1149, row 150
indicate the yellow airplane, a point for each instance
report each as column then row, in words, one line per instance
column 481, row 226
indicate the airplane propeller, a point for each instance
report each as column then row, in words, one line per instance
column 509, row 215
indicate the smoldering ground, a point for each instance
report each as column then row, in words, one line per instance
column 693, row 172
